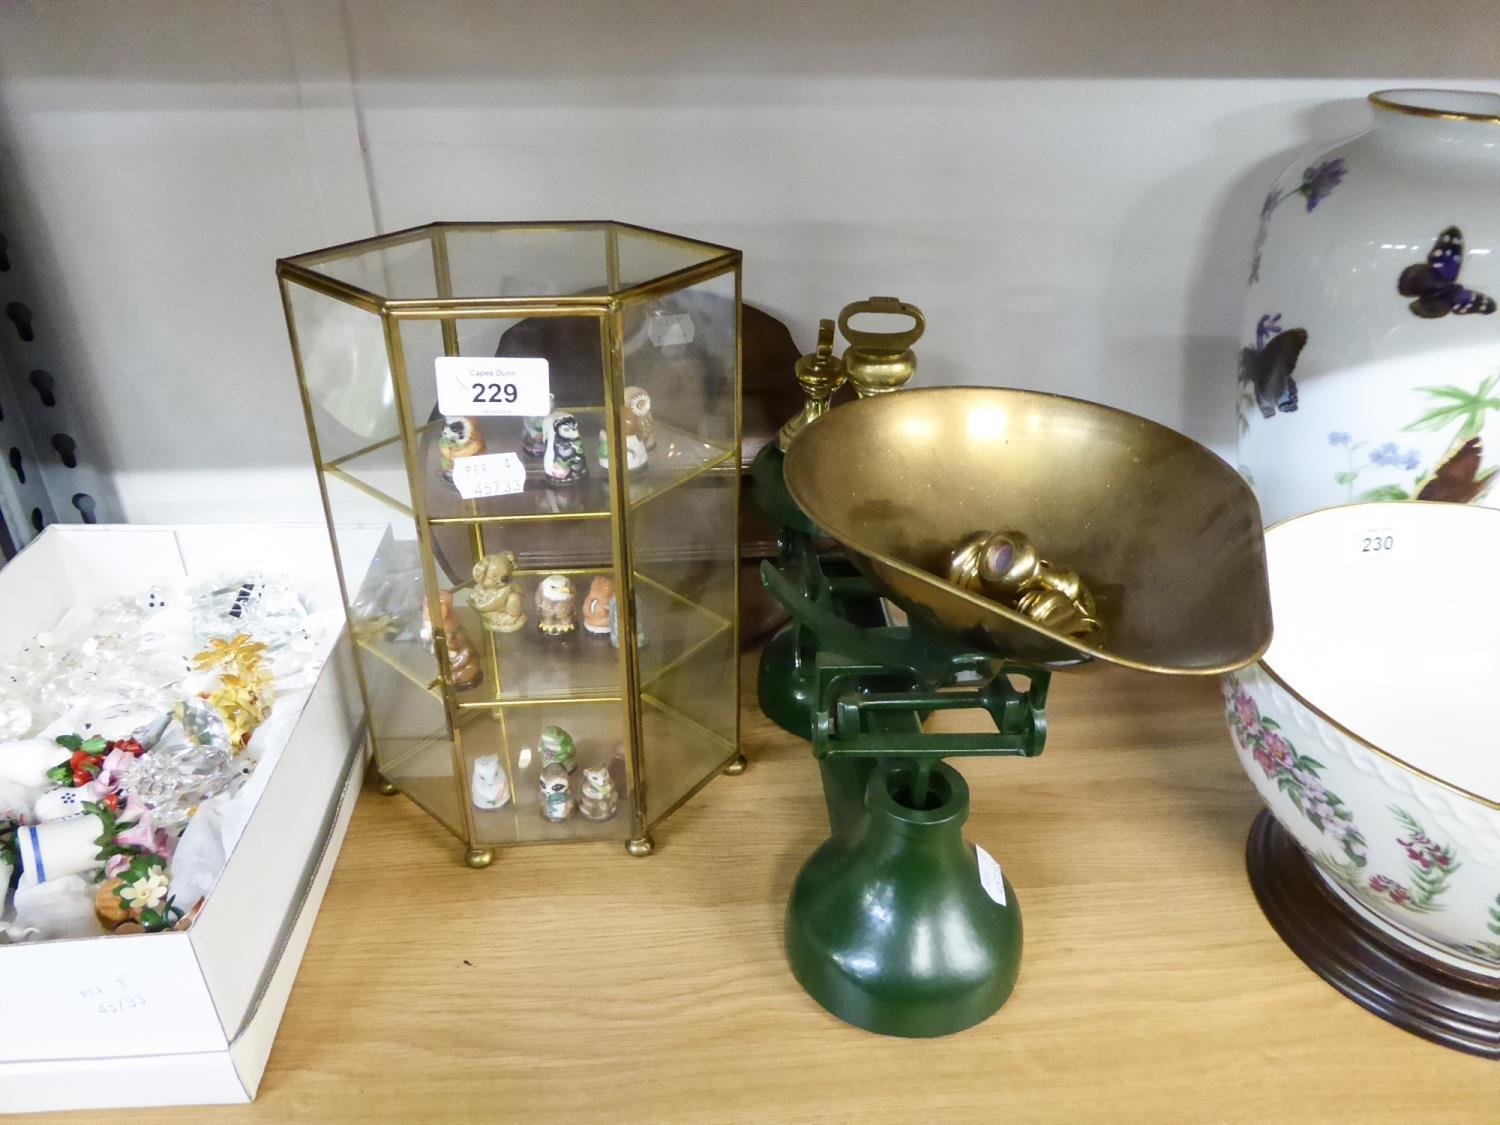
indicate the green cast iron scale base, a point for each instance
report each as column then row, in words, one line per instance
column 890, row 925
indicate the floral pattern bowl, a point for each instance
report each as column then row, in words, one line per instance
column 1371, row 727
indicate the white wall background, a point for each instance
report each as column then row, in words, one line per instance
column 1068, row 189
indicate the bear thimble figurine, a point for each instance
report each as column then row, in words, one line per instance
column 496, row 597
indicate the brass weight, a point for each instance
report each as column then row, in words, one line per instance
column 1005, row 566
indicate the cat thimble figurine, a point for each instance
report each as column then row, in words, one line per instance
column 638, row 404
column 596, row 606
column 597, row 799
column 460, row 438
column 554, row 606
column 556, row 793
column 488, row 787
column 563, row 463
column 496, row 597
column 557, row 748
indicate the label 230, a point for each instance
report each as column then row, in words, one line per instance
column 492, row 386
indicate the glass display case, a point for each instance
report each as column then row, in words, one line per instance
column 548, row 642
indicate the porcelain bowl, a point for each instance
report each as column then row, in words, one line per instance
column 1371, row 727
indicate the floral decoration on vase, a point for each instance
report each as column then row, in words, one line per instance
column 1294, row 774
column 1318, row 182
column 1459, row 476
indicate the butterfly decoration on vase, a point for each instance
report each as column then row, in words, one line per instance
column 1458, row 480
column 1433, row 285
column 1266, row 369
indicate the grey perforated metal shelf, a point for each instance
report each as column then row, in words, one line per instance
column 49, row 469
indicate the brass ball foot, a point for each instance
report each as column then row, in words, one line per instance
column 737, row 767
column 479, row 857
column 384, row 787
column 641, row 846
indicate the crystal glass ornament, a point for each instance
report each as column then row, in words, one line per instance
column 190, row 764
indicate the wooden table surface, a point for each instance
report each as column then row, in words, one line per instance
column 577, row 984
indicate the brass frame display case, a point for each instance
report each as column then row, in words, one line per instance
column 658, row 703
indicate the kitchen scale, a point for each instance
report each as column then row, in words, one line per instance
column 896, row 924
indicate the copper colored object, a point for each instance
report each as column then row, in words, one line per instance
column 1169, row 535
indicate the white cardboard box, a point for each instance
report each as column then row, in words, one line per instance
column 185, row 1018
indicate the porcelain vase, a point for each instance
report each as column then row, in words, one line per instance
column 1370, row 360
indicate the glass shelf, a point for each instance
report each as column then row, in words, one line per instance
column 379, row 471
column 581, row 666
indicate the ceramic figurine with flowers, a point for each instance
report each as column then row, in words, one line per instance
column 1369, row 363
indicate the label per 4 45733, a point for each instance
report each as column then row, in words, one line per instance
column 489, row 474
column 509, row 385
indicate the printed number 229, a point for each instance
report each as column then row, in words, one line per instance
column 494, row 392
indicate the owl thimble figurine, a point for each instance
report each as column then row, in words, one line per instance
column 555, row 787
column 557, row 748
column 638, row 406
column 597, row 798
column 563, row 463
column 554, row 606
column 460, row 438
